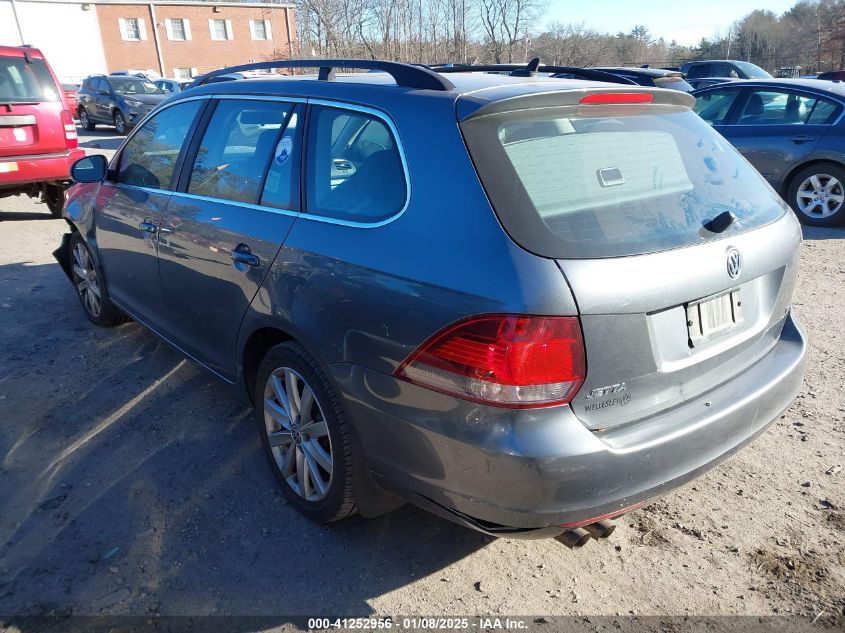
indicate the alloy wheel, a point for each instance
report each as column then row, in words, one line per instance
column 83, row 118
column 119, row 123
column 820, row 196
column 298, row 434
column 87, row 282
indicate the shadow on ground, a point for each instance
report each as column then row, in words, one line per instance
column 132, row 483
column 99, row 139
column 823, row 233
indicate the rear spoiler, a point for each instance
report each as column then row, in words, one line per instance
column 469, row 108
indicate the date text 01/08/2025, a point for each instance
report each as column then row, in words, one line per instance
column 419, row 623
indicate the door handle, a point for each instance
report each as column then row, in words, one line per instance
column 802, row 138
column 242, row 255
column 148, row 227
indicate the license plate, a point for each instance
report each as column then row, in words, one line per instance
column 8, row 167
column 713, row 315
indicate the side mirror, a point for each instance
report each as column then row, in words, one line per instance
column 105, row 93
column 89, row 169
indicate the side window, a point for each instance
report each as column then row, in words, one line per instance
column 713, row 106
column 150, row 155
column 723, row 70
column 240, row 138
column 102, row 84
column 778, row 107
column 355, row 171
column 697, row 71
column 824, row 112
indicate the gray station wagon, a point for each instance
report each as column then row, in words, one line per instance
column 526, row 304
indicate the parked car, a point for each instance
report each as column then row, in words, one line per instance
column 705, row 82
column 172, row 85
column 792, row 131
column 723, row 68
column 149, row 74
column 38, row 142
column 71, row 91
column 657, row 77
column 523, row 305
column 120, row 101
column 706, row 73
column 832, row 75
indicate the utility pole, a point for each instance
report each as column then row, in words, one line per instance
column 17, row 21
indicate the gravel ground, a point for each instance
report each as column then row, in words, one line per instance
column 132, row 483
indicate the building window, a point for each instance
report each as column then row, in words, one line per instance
column 220, row 29
column 260, row 29
column 178, row 29
column 182, row 73
column 132, row 29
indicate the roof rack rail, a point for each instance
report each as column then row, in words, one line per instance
column 405, row 75
column 532, row 69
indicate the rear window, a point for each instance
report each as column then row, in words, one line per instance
column 22, row 82
column 627, row 180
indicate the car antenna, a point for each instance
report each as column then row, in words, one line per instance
column 530, row 69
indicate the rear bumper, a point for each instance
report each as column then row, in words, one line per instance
column 24, row 170
column 516, row 472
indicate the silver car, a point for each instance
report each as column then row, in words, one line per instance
column 525, row 304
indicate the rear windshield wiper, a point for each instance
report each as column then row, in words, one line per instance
column 721, row 222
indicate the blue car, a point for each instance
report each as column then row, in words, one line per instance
column 792, row 131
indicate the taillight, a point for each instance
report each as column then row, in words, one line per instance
column 505, row 360
column 71, row 140
column 616, row 98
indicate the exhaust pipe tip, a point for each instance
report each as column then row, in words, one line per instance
column 600, row 529
column 574, row 538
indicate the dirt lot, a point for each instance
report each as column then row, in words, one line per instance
column 132, row 483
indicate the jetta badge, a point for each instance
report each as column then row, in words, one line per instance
column 734, row 263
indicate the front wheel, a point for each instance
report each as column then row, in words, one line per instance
column 119, row 123
column 305, row 434
column 817, row 194
column 90, row 287
column 85, row 121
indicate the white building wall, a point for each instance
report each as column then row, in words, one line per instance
column 67, row 34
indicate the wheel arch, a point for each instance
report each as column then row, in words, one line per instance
column 786, row 183
column 259, row 342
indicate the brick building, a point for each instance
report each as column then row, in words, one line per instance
column 172, row 38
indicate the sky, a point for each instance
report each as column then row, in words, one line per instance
column 687, row 22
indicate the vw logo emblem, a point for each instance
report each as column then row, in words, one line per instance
column 734, row 263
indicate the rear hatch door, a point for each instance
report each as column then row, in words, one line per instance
column 30, row 108
column 679, row 255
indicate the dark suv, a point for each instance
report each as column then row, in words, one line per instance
column 526, row 304
column 117, row 100
column 709, row 72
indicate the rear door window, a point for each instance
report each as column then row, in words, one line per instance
column 236, row 148
column 824, row 112
column 624, row 181
column 782, row 107
column 150, row 156
column 26, row 82
column 355, row 171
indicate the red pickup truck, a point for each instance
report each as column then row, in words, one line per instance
column 38, row 142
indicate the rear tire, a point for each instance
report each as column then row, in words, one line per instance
column 119, row 122
column 85, row 121
column 817, row 194
column 305, row 434
column 90, row 286
column 54, row 198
